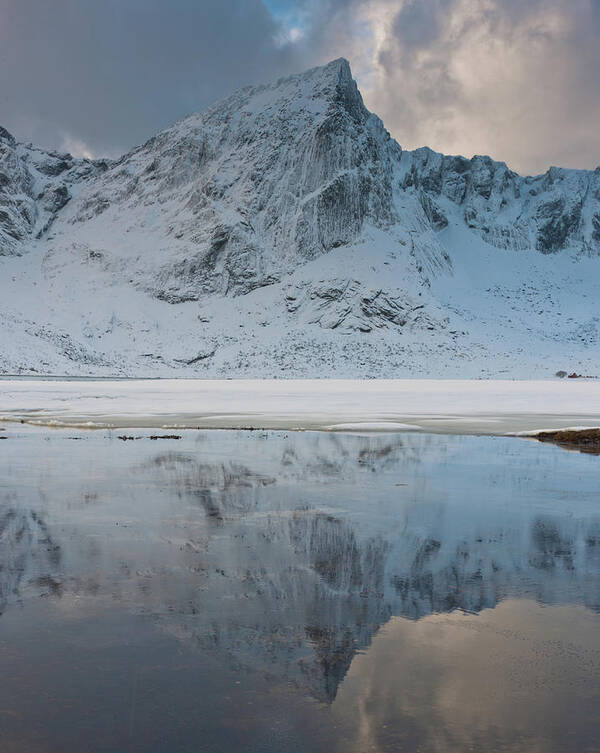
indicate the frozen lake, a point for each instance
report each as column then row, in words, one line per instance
column 296, row 591
column 446, row 406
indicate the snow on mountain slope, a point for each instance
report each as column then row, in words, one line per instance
column 34, row 186
column 231, row 200
column 283, row 232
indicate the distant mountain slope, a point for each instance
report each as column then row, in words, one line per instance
column 34, row 186
column 552, row 212
column 283, row 231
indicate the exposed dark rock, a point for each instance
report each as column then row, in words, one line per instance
column 557, row 221
column 432, row 211
column 4, row 134
column 54, row 167
column 584, row 440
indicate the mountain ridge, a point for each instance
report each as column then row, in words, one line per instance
column 287, row 211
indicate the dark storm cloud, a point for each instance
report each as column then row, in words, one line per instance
column 109, row 73
column 418, row 24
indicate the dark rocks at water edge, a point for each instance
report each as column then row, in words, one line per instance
column 584, row 440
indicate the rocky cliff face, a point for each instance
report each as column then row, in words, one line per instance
column 288, row 206
column 245, row 192
column 552, row 212
column 34, row 186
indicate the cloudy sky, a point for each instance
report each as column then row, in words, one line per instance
column 517, row 79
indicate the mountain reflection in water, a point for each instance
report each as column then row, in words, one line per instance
column 285, row 555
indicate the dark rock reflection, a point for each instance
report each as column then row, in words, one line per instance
column 286, row 554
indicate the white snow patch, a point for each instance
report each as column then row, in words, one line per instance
column 372, row 426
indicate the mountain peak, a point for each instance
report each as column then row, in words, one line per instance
column 336, row 83
column 338, row 70
column 341, row 65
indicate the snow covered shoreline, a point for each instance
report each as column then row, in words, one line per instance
column 492, row 407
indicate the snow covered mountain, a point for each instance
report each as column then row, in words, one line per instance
column 284, row 232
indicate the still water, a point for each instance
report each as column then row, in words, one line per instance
column 272, row 592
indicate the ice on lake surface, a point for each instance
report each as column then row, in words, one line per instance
column 453, row 406
column 264, row 591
